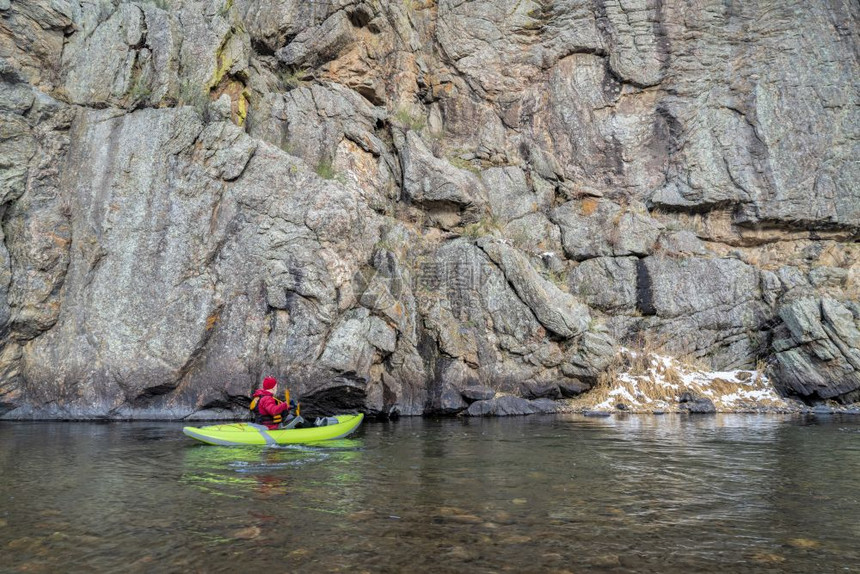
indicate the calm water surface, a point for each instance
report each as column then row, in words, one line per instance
column 726, row 493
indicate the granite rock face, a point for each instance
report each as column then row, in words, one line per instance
column 411, row 206
column 818, row 348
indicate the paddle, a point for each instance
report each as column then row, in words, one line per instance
column 287, row 399
column 296, row 415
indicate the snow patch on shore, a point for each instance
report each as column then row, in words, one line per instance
column 649, row 382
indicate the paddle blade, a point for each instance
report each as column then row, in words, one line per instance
column 287, row 395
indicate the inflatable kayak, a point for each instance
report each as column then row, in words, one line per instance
column 236, row 434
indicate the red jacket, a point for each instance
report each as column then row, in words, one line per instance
column 269, row 405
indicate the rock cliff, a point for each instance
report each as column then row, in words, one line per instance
column 390, row 203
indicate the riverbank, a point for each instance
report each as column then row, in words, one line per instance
column 648, row 382
column 636, row 381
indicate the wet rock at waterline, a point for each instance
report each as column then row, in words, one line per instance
column 390, row 205
column 501, row 406
column 698, row 406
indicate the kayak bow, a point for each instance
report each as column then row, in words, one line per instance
column 237, row 434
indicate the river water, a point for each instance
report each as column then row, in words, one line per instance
column 724, row 493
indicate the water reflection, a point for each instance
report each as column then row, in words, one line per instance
column 735, row 493
column 267, row 473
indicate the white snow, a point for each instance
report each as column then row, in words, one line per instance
column 653, row 389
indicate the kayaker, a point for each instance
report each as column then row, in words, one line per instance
column 267, row 409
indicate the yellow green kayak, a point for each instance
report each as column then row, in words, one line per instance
column 235, row 434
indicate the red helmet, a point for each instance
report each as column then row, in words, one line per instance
column 269, row 383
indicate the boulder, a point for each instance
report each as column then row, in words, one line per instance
column 501, row 406
column 699, row 406
column 481, row 408
column 540, row 390
column 823, row 410
column 544, row 406
column 451, row 402
column 477, row 393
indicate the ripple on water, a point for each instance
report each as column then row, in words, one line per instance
column 647, row 494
